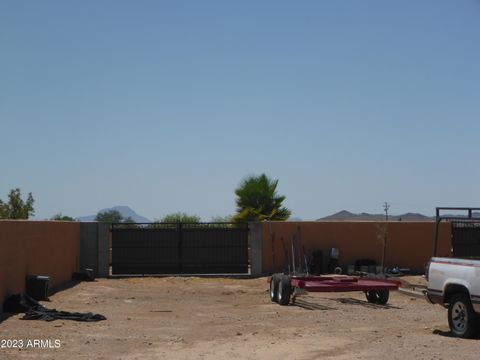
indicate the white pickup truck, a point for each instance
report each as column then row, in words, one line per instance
column 455, row 284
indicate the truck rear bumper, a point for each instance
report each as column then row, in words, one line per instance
column 425, row 295
column 433, row 296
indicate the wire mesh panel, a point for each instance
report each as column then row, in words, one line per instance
column 162, row 248
column 464, row 231
column 466, row 239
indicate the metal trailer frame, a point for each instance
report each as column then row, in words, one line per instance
column 284, row 287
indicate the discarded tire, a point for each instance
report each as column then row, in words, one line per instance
column 377, row 296
column 284, row 290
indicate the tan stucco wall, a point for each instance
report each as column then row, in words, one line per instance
column 409, row 244
column 49, row 248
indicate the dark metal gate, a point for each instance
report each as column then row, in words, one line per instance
column 466, row 239
column 465, row 230
column 179, row 248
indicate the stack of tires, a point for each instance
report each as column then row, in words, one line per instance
column 280, row 289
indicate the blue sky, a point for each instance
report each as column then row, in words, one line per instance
column 165, row 106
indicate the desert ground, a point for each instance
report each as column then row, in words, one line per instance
column 225, row 318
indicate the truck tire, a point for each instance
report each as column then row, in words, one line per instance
column 274, row 287
column 377, row 296
column 284, row 290
column 462, row 319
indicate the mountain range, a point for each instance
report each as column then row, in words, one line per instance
column 125, row 211
column 345, row 215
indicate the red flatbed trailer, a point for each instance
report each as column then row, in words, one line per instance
column 283, row 286
column 342, row 284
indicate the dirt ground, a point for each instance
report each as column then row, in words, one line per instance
column 221, row 318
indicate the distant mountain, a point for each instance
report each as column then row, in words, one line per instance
column 475, row 214
column 125, row 211
column 345, row 215
column 339, row 216
column 294, row 219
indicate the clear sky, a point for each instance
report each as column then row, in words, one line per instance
column 165, row 106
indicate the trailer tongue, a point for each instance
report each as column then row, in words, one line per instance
column 283, row 287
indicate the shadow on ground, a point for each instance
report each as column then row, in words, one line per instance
column 66, row 286
column 4, row 316
column 307, row 305
column 449, row 334
column 352, row 301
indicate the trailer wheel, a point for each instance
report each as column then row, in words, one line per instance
column 461, row 317
column 284, row 290
column 274, row 287
column 377, row 296
column 371, row 296
column 383, row 296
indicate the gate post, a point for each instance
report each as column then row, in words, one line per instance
column 103, row 240
column 180, row 245
column 256, row 236
column 94, row 248
column 89, row 247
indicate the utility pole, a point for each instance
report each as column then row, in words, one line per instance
column 386, row 206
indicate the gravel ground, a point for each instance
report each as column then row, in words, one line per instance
column 220, row 318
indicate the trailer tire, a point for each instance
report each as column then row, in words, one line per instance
column 284, row 290
column 274, row 287
column 383, row 296
column 462, row 319
column 377, row 296
column 371, row 296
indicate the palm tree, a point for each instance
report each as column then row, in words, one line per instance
column 257, row 200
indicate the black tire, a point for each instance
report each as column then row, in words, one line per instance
column 274, row 287
column 462, row 319
column 371, row 296
column 377, row 296
column 284, row 290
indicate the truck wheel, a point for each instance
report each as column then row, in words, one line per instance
column 274, row 288
column 377, row 296
column 461, row 317
column 284, row 290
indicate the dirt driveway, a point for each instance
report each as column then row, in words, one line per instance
column 218, row 318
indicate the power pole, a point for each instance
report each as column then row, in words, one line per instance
column 386, row 206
